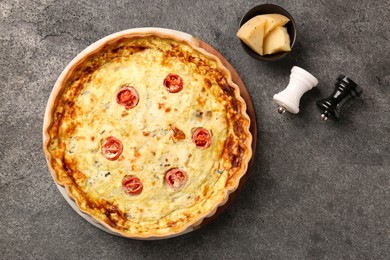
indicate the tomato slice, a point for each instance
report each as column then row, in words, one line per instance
column 127, row 97
column 173, row 83
column 112, row 148
column 176, row 178
column 132, row 185
column 201, row 138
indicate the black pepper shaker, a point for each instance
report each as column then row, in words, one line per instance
column 345, row 89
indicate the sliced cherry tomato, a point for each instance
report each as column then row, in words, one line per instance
column 176, row 178
column 173, row 83
column 201, row 138
column 127, row 97
column 112, row 148
column 132, row 185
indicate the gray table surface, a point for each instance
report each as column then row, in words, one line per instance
column 317, row 190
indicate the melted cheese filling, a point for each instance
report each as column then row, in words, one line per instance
column 149, row 146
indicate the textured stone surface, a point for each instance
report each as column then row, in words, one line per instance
column 316, row 191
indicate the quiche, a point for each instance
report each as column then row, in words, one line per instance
column 147, row 133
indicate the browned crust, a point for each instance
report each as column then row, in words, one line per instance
column 241, row 153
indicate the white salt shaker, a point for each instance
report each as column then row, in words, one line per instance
column 301, row 81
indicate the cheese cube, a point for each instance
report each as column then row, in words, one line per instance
column 276, row 41
column 252, row 33
column 273, row 21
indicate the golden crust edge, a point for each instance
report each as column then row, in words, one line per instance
column 95, row 48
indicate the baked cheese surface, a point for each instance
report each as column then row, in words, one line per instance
column 88, row 112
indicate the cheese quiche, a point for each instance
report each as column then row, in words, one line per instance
column 148, row 134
